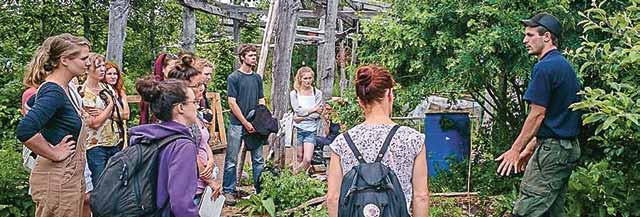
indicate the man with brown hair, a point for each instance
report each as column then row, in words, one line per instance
column 547, row 148
column 244, row 92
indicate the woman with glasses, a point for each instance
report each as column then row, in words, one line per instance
column 175, row 106
column 307, row 104
column 185, row 71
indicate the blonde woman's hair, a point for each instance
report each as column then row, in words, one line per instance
column 297, row 83
column 203, row 63
column 92, row 59
column 47, row 57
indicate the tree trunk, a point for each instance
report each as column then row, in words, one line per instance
column 327, row 72
column 118, row 13
column 284, row 39
column 189, row 30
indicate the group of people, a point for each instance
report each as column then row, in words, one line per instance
column 75, row 109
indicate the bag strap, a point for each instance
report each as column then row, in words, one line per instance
column 169, row 139
column 353, row 148
column 386, row 143
column 383, row 150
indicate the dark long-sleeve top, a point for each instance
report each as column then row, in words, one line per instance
column 53, row 115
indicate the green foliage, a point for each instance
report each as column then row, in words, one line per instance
column 599, row 183
column 285, row 190
column 259, row 205
column 14, row 179
column 289, row 190
column 610, row 57
column 445, row 207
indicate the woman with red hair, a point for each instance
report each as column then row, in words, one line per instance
column 115, row 82
column 405, row 155
column 163, row 65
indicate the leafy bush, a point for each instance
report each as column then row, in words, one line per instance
column 610, row 57
column 289, row 190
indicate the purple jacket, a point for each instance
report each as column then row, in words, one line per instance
column 177, row 170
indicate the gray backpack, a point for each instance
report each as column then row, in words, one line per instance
column 127, row 185
column 371, row 189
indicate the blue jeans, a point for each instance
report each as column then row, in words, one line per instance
column 234, row 139
column 97, row 158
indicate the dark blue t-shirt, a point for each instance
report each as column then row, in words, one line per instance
column 554, row 85
column 53, row 115
column 247, row 89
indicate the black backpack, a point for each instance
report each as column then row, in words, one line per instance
column 371, row 189
column 127, row 185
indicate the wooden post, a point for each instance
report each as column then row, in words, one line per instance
column 188, row 30
column 118, row 13
column 354, row 45
column 284, row 39
column 342, row 59
column 236, row 40
column 320, row 50
column 327, row 71
column 266, row 38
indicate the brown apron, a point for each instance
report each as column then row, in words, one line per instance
column 57, row 188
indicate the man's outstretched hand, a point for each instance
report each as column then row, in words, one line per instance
column 510, row 162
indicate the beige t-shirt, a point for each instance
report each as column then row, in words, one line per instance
column 106, row 135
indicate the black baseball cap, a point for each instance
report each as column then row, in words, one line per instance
column 545, row 20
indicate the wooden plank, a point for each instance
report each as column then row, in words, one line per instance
column 214, row 121
column 266, row 38
column 134, row 99
column 222, row 133
column 212, row 9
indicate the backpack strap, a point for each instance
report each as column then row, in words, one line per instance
column 169, row 139
column 353, row 148
column 386, row 143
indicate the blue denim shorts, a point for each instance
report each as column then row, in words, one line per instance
column 305, row 137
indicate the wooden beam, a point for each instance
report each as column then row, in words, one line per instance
column 188, row 29
column 266, row 38
column 309, row 30
column 212, row 9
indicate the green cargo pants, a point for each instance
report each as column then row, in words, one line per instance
column 545, row 181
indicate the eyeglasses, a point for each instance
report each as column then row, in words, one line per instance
column 197, row 87
column 195, row 102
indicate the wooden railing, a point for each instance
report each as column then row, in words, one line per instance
column 218, row 139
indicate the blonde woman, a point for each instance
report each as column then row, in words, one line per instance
column 307, row 105
column 104, row 139
column 54, row 124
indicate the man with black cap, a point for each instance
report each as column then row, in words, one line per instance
column 547, row 148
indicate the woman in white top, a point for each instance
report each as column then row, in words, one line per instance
column 307, row 104
column 405, row 156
